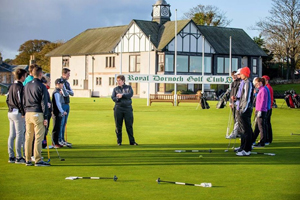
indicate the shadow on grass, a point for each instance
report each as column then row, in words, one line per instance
column 164, row 154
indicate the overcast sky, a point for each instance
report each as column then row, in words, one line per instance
column 53, row 20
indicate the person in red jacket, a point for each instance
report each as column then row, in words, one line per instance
column 269, row 130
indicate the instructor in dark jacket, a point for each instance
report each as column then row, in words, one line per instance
column 121, row 95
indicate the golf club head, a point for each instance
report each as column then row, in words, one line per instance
column 115, row 178
column 226, row 150
column 210, row 150
column 206, row 185
column 72, row 178
column 62, row 159
column 179, row 151
column 158, row 180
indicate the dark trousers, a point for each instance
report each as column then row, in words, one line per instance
column 260, row 128
column 269, row 131
column 56, row 128
column 234, row 113
column 246, row 130
column 120, row 114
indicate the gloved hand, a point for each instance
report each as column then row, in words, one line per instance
column 259, row 114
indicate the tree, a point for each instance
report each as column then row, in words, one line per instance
column 30, row 47
column 207, row 15
column 44, row 61
column 282, row 32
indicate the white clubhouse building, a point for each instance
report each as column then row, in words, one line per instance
column 96, row 55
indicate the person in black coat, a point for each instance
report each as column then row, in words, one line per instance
column 121, row 95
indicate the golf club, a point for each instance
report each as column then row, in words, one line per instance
column 181, row 151
column 268, row 154
column 180, row 183
column 61, row 159
column 115, row 178
column 294, row 134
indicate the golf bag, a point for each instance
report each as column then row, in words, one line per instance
column 204, row 104
column 296, row 100
column 224, row 97
column 291, row 99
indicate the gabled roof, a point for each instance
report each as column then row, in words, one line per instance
column 104, row 40
column 149, row 28
column 91, row 41
column 241, row 43
column 167, row 32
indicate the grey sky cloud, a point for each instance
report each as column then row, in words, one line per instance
column 53, row 20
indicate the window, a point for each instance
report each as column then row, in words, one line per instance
column 192, row 64
column 65, row 62
column 75, row 82
column 254, row 66
column 161, row 62
column 169, row 66
column 4, row 79
column 182, row 64
column 223, row 65
column 110, row 61
column 111, row 81
column 195, row 64
column 134, row 63
column 98, row 81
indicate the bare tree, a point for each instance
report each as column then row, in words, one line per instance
column 282, row 32
column 207, row 15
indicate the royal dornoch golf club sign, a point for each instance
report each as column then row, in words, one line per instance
column 145, row 78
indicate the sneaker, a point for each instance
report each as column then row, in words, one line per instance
column 28, row 163
column 20, row 161
column 134, row 144
column 11, row 159
column 258, row 145
column 42, row 164
column 236, row 149
column 67, row 144
column 119, row 144
column 61, row 144
column 243, row 153
column 57, row 146
column 267, row 143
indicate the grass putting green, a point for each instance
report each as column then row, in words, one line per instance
column 160, row 130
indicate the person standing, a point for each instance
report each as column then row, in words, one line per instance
column 66, row 92
column 35, row 102
column 121, row 95
column 16, row 113
column 244, row 103
column 234, row 89
column 269, row 138
column 29, row 77
column 58, row 112
column 261, row 108
column 46, row 83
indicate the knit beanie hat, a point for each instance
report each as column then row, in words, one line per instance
column 246, row 71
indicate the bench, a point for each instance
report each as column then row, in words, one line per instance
column 189, row 98
column 162, row 98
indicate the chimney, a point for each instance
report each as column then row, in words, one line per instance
column 32, row 60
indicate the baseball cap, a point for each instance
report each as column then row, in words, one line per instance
column 238, row 72
column 58, row 81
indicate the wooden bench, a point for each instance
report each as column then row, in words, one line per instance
column 162, row 98
column 190, row 98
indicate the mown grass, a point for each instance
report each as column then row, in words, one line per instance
column 159, row 130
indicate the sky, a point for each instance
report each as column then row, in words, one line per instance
column 61, row 20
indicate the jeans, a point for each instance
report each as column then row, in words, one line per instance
column 16, row 131
column 61, row 137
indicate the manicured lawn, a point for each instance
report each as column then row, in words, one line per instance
column 284, row 87
column 159, row 130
